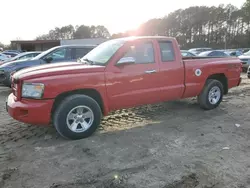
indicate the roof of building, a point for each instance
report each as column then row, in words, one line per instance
column 34, row 41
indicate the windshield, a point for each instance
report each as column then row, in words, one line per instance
column 44, row 53
column 247, row 53
column 102, row 53
column 204, row 53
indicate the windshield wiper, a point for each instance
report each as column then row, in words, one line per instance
column 89, row 61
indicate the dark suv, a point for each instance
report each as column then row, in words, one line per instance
column 67, row 53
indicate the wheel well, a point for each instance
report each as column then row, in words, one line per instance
column 222, row 78
column 89, row 92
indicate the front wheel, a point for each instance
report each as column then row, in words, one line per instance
column 77, row 117
column 211, row 95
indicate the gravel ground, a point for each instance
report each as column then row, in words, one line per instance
column 168, row 145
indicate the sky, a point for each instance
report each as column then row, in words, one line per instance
column 26, row 19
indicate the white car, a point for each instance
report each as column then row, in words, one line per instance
column 245, row 59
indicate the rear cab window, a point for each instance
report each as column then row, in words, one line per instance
column 167, row 52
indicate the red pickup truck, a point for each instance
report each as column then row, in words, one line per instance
column 119, row 73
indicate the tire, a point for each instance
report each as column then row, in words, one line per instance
column 61, row 120
column 203, row 98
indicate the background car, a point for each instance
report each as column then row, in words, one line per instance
column 58, row 54
column 197, row 51
column 235, row 53
column 214, row 53
column 22, row 56
column 186, row 53
column 10, row 54
column 3, row 57
column 13, row 51
column 245, row 59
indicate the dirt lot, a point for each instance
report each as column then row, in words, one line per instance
column 168, row 145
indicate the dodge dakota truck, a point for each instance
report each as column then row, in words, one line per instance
column 119, row 73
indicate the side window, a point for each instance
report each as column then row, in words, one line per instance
column 26, row 56
column 60, row 54
column 217, row 54
column 167, row 51
column 23, row 57
column 31, row 55
column 80, row 52
column 224, row 54
column 212, row 54
column 141, row 52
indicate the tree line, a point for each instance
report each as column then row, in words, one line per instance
column 77, row 32
column 225, row 26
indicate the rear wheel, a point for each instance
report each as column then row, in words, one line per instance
column 77, row 117
column 211, row 95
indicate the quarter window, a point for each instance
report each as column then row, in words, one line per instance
column 167, row 51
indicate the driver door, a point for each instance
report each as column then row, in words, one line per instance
column 135, row 83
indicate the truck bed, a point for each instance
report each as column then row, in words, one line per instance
column 194, row 82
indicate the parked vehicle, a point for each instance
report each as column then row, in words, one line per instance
column 3, row 57
column 67, row 53
column 119, row 73
column 186, row 53
column 245, row 50
column 197, row 51
column 23, row 56
column 214, row 53
column 235, row 53
column 13, row 51
column 245, row 59
column 10, row 54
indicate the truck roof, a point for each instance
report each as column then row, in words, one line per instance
column 78, row 45
column 144, row 37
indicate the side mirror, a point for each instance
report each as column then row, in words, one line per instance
column 126, row 60
column 48, row 59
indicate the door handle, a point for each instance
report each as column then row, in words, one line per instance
column 150, row 71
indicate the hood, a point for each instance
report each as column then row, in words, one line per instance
column 56, row 69
column 244, row 57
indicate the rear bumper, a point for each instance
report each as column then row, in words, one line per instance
column 37, row 112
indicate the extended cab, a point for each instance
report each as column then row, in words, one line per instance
column 119, row 73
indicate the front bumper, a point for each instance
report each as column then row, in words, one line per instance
column 37, row 112
column 248, row 71
column 245, row 64
column 5, row 77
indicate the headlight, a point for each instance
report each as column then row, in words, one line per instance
column 32, row 90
